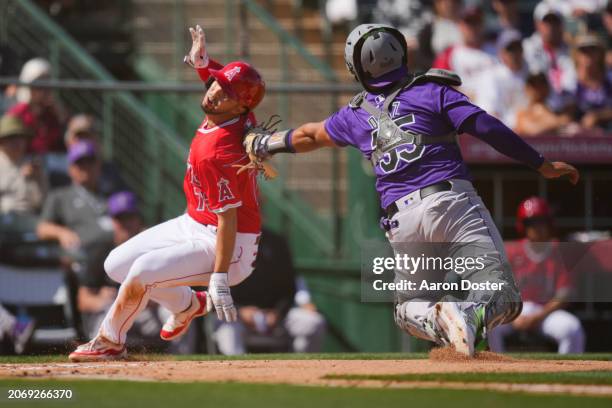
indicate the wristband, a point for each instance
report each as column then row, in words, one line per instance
column 280, row 142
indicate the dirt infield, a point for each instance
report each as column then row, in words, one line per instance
column 312, row 372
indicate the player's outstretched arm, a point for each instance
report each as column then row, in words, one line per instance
column 493, row 132
column 309, row 137
column 261, row 145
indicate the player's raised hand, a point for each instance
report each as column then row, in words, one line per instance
column 219, row 296
column 558, row 169
column 197, row 57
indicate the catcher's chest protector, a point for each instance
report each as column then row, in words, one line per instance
column 389, row 133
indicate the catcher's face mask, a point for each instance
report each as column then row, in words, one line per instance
column 372, row 51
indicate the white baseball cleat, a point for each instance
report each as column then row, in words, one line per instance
column 454, row 324
column 178, row 323
column 98, row 349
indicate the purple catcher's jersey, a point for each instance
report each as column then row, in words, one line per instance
column 428, row 108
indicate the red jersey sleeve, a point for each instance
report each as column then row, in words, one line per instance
column 220, row 185
column 204, row 73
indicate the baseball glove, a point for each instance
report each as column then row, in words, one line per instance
column 255, row 145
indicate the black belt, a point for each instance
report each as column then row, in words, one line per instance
column 424, row 192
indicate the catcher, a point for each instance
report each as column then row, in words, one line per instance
column 406, row 126
column 215, row 242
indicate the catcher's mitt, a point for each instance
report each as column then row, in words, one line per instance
column 255, row 144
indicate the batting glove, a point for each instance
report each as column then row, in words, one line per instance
column 197, row 57
column 220, row 297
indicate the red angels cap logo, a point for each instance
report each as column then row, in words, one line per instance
column 224, row 191
column 232, row 73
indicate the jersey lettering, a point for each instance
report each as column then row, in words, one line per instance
column 405, row 153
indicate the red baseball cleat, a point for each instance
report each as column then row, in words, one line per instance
column 98, row 349
column 178, row 323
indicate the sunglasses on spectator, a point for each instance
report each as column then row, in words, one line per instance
column 86, row 161
column 126, row 216
column 552, row 19
column 84, row 134
column 514, row 47
column 590, row 49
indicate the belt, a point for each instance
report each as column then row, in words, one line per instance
column 424, row 192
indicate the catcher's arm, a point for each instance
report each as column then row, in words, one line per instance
column 311, row 136
column 261, row 143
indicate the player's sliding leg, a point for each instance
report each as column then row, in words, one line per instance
column 160, row 268
column 180, row 301
column 167, row 246
column 185, row 264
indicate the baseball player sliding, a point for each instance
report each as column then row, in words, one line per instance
column 406, row 125
column 215, row 242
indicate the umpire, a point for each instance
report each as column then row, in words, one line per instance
column 407, row 125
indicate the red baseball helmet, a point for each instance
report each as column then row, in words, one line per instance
column 532, row 207
column 242, row 82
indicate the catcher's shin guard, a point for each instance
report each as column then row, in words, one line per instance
column 418, row 319
column 504, row 307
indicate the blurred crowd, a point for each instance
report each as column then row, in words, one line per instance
column 541, row 67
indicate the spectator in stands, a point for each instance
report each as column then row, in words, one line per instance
column 272, row 303
column 83, row 127
column 18, row 330
column 411, row 17
column 544, row 282
column 537, row 118
column 22, row 182
column 593, row 96
column 127, row 220
column 546, row 51
column 507, row 16
column 76, row 215
column 38, row 109
column 578, row 8
column 502, row 88
column 341, row 11
column 607, row 22
column 445, row 26
column 473, row 56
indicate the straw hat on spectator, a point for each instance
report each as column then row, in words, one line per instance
column 589, row 41
column 13, row 126
column 34, row 69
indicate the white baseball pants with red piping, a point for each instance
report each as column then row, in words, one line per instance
column 161, row 263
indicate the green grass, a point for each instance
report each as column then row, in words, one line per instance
column 570, row 377
column 99, row 394
column 319, row 356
